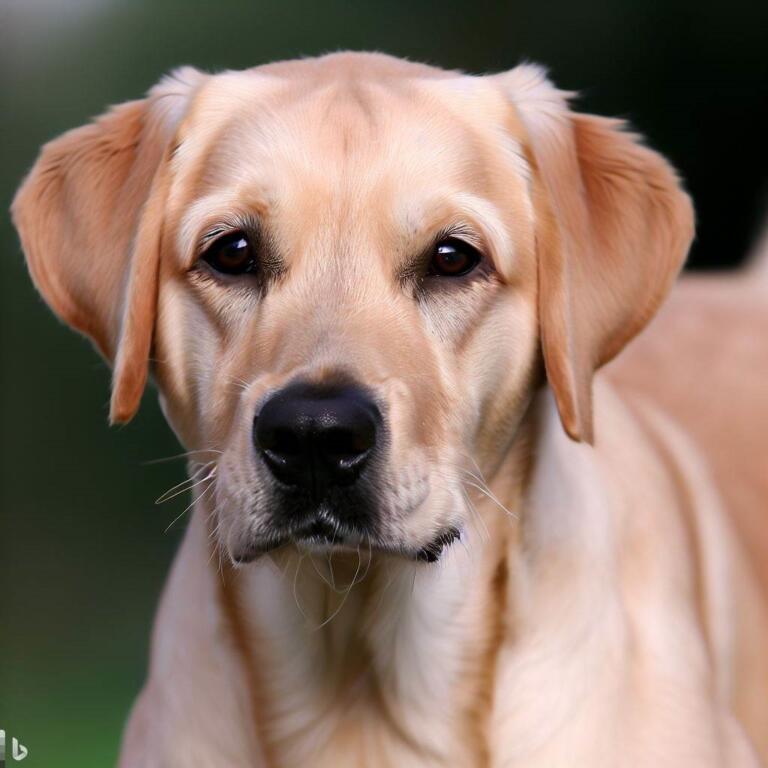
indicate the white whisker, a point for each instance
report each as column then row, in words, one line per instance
column 346, row 594
column 188, row 484
column 490, row 495
column 187, row 508
column 295, row 593
column 177, row 456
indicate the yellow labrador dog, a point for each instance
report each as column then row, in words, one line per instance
column 375, row 295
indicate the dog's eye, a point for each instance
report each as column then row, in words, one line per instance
column 231, row 254
column 453, row 258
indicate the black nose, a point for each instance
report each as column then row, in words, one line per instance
column 316, row 436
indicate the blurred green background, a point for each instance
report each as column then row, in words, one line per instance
column 83, row 553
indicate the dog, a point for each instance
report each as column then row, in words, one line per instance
column 374, row 297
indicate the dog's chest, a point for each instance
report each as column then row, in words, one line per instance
column 393, row 682
column 368, row 737
column 382, row 718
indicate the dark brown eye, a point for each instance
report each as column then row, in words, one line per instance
column 453, row 258
column 231, row 254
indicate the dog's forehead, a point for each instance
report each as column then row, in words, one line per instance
column 368, row 150
column 358, row 123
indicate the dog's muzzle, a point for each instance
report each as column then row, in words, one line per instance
column 322, row 449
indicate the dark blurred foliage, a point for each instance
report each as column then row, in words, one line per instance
column 83, row 551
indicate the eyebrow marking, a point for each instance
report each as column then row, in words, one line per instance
column 484, row 215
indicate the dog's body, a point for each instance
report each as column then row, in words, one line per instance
column 561, row 653
column 598, row 608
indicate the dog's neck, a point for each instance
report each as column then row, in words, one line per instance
column 365, row 652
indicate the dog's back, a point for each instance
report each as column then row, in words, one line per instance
column 704, row 360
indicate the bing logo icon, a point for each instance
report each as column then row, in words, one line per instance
column 18, row 750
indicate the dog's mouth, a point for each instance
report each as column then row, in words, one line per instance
column 324, row 536
column 434, row 550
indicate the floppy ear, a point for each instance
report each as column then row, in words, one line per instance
column 613, row 231
column 89, row 215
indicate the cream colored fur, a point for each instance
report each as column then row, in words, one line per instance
column 601, row 607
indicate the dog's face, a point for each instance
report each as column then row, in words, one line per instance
column 339, row 256
column 348, row 270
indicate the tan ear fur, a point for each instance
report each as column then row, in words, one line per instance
column 131, row 361
column 89, row 216
column 613, row 232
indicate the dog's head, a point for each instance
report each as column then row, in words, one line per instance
column 350, row 274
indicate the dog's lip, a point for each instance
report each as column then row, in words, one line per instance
column 317, row 531
column 434, row 550
column 257, row 549
column 320, row 533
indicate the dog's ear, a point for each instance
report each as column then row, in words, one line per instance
column 613, row 231
column 89, row 215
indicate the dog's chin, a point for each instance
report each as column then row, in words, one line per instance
column 320, row 537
